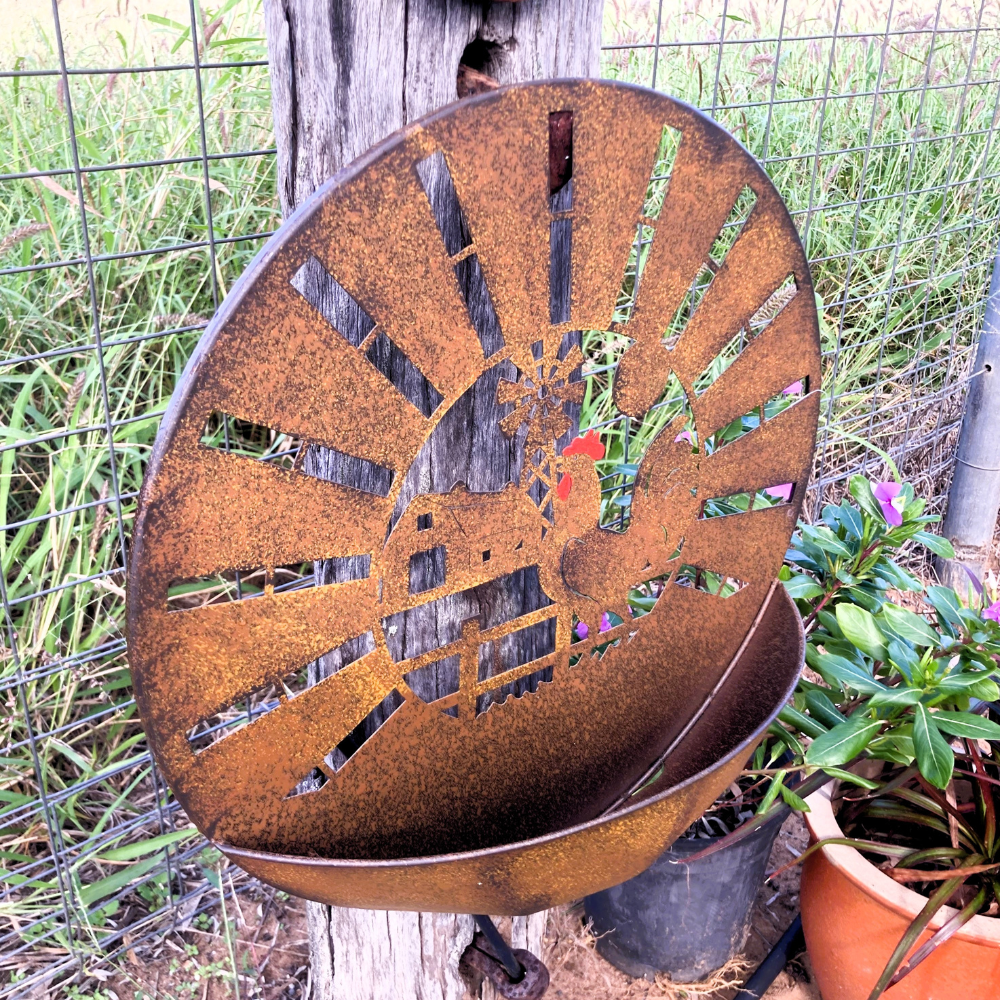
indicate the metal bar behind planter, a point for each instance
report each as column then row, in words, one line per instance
column 974, row 498
column 776, row 960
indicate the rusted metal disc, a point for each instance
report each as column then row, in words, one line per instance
column 465, row 252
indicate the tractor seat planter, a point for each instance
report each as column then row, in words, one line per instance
column 853, row 916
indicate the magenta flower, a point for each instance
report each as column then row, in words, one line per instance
column 890, row 501
column 684, row 436
column 582, row 629
column 605, row 622
column 993, row 612
column 782, row 492
column 795, row 389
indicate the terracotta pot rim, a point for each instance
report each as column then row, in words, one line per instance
column 893, row 895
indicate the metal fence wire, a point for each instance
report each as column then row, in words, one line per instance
column 139, row 182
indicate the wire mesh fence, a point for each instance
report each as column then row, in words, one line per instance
column 139, row 182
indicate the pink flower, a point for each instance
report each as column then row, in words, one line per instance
column 582, row 629
column 684, row 436
column 795, row 389
column 993, row 612
column 890, row 501
column 605, row 622
column 782, row 492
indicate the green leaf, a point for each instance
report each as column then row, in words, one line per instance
column 860, row 596
column 821, row 707
column 794, row 800
column 861, row 490
column 938, row 545
column 90, row 894
column 961, row 683
column 165, row 21
column 801, row 722
column 897, row 576
column 854, row 779
column 861, row 628
column 803, row 587
column 843, row 742
column 909, row 626
column 903, row 657
column 934, row 756
column 985, row 690
column 131, row 851
column 826, row 540
column 771, row 794
column 836, row 670
column 895, row 698
column 896, row 745
column 850, row 518
column 966, row 724
column 945, row 602
column 775, row 729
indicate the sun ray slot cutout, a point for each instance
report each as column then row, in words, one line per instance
column 748, row 422
column 742, row 503
column 348, row 653
column 523, row 587
column 716, row 584
column 436, row 179
column 335, row 466
column 243, row 711
column 229, row 585
column 728, row 235
column 561, row 209
column 235, row 436
column 333, row 302
column 756, row 325
column 348, row 317
column 364, row 731
column 656, row 193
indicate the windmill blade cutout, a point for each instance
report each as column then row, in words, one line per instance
column 553, row 249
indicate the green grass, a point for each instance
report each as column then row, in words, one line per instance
column 127, row 118
column 916, row 276
column 915, row 266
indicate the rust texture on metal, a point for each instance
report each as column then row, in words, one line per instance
column 480, row 957
column 471, row 800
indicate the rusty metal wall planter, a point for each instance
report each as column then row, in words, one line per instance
column 461, row 800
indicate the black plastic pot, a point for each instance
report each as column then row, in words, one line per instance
column 686, row 920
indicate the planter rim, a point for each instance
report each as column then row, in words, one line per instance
column 895, row 895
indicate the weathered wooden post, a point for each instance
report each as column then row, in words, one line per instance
column 345, row 75
column 974, row 497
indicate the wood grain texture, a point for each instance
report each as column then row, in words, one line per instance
column 345, row 75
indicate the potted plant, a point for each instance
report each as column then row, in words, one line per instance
column 884, row 683
column 690, row 918
column 904, row 690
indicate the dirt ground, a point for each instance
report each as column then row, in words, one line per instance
column 262, row 940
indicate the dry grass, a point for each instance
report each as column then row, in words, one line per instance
column 579, row 973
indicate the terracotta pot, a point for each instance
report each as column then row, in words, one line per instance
column 853, row 917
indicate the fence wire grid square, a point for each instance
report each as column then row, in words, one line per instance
column 139, row 181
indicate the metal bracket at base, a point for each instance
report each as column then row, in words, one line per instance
column 516, row 973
